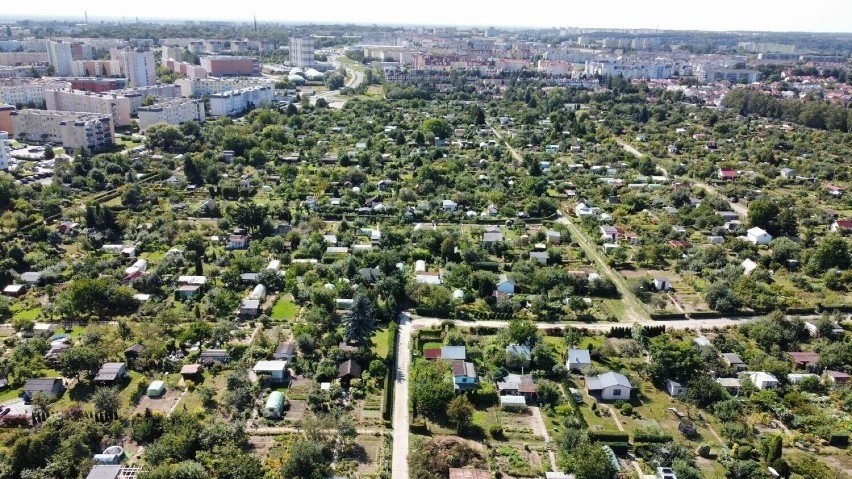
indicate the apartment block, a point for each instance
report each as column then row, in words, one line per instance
column 6, row 118
column 23, row 71
column 96, row 85
column 72, row 130
column 96, row 68
column 27, row 91
column 59, row 55
column 198, row 87
column 22, row 58
column 302, row 52
column 137, row 95
column 139, row 67
column 173, row 112
column 116, row 106
column 170, row 53
column 186, row 69
column 229, row 66
column 4, row 151
column 238, row 101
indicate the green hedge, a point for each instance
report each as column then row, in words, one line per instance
column 390, row 364
column 667, row 316
column 705, row 315
column 651, row 438
column 609, row 436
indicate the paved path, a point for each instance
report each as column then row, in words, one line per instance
column 399, row 466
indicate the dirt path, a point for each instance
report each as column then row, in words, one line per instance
column 540, row 429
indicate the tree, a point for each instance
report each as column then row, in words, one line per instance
column 703, row 391
column 80, row 360
column 460, row 412
column 106, row 399
column 523, row 332
column 189, row 470
column 672, row 359
column 831, row 252
column 360, row 320
column 306, row 460
column 430, row 389
column 48, row 153
column 97, row 298
column 164, row 137
column 589, row 461
column 437, row 127
column 763, row 213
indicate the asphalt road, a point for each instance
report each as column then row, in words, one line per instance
column 401, row 419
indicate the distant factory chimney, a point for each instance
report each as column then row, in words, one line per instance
column 86, row 14
column 255, row 24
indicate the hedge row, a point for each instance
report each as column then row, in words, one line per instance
column 651, row 438
column 667, row 316
column 705, row 315
column 609, row 436
column 390, row 364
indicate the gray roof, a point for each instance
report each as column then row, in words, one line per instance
column 453, row 352
column 732, row 358
column 110, row 372
column 519, row 350
column 579, row 356
column 104, row 472
column 492, row 237
column 607, row 380
column 250, row 304
column 44, row 385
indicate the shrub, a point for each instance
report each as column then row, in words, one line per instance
column 703, row 451
column 496, row 432
column 744, row 452
column 627, row 409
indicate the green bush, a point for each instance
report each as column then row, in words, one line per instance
column 703, row 451
column 627, row 409
column 496, row 432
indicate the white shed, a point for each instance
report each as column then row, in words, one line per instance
column 419, row 266
column 674, row 388
column 758, row 236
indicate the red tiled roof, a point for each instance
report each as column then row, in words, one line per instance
column 845, row 224
column 432, row 353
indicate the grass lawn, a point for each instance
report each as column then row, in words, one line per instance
column 284, row 309
column 558, row 343
column 31, row 314
column 380, row 342
column 9, row 394
column 154, row 256
column 432, row 345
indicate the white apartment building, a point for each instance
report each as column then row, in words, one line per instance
column 22, row 58
column 72, row 130
column 198, row 87
column 171, row 52
column 137, row 95
column 139, row 67
column 237, row 101
column 302, row 52
column 22, row 91
column 173, row 112
column 4, row 151
column 114, row 105
column 59, row 55
column 85, row 68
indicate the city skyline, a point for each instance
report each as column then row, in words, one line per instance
column 722, row 15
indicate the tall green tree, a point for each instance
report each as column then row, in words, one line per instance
column 360, row 320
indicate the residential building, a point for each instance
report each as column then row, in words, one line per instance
column 97, row 68
column 114, row 105
column 464, row 375
column 506, row 285
column 72, row 130
column 518, row 355
column 733, row 360
column 51, row 387
column 609, row 386
column 758, row 236
column 198, row 87
column 578, row 360
column 275, row 369
column 302, row 52
column 173, row 112
column 763, row 380
column 211, row 356
column 111, row 373
column 609, row 233
column 59, row 56
column 238, row 101
column 230, row 66
column 139, row 67
column 4, row 151
column 518, row 385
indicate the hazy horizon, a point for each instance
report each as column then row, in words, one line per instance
column 822, row 16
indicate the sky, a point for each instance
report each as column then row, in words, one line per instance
column 755, row 15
